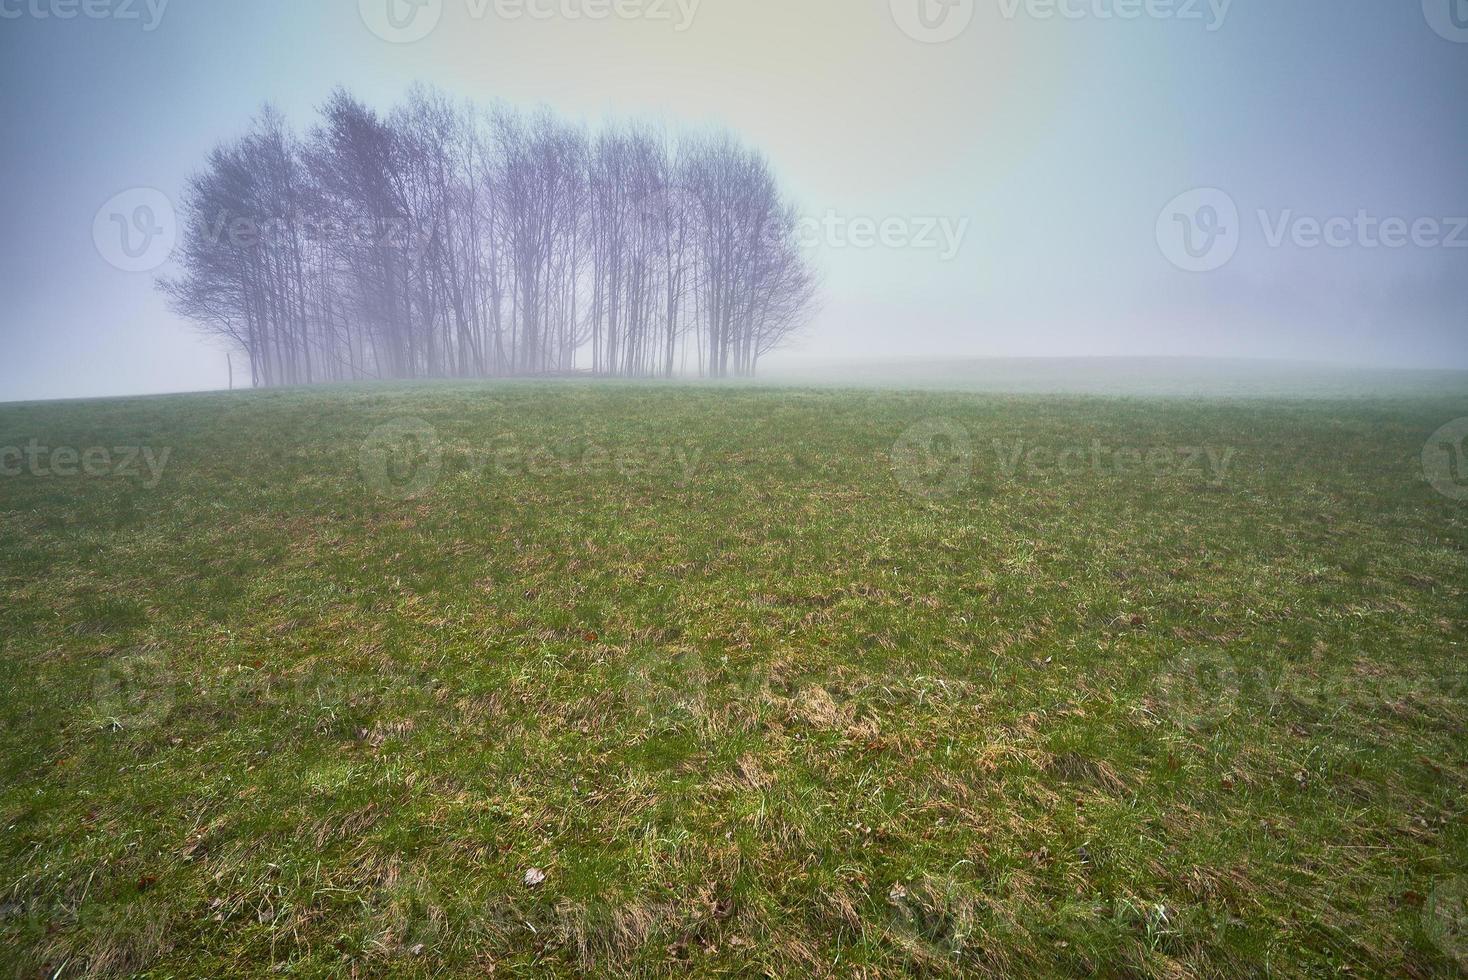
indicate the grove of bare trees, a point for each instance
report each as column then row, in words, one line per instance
column 446, row 240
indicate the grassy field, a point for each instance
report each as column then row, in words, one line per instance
column 555, row 679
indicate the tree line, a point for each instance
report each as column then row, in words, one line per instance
column 444, row 239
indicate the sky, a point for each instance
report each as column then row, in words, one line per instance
column 982, row 178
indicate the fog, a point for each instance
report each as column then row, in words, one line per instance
column 1241, row 180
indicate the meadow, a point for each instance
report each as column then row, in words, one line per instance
column 577, row 678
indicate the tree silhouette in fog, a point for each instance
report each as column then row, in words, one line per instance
column 446, row 240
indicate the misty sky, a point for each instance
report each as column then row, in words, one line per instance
column 1057, row 145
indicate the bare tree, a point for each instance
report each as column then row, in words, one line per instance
column 441, row 240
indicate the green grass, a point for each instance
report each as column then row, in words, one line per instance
column 743, row 682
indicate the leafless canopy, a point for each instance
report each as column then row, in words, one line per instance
column 443, row 240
